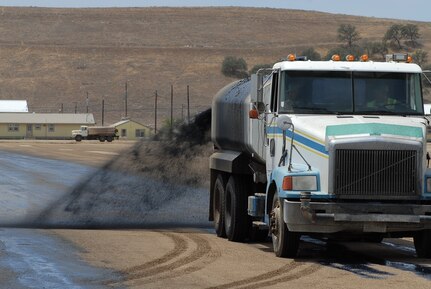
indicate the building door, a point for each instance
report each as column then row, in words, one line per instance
column 29, row 133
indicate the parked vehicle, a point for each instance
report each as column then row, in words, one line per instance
column 326, row 148
column 101, row 133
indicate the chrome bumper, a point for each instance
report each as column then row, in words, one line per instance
column 317, row 217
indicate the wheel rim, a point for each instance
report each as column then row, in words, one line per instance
column 274, row 223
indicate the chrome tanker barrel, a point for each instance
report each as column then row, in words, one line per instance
column 230, row 122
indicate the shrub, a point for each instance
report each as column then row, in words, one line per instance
column 234, row 67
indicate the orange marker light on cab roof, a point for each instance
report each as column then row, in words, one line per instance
column 409, row 59
column 291, row 57
column 364, row 57
column 335, row 57
column 350, row 57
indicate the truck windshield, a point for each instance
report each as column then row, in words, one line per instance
column 339, row 92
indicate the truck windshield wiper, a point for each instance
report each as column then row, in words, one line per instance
column 383, row 112
column 314, row 109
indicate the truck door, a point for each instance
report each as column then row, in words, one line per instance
column 272, row 136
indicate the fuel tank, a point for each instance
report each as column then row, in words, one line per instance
column 231, row 127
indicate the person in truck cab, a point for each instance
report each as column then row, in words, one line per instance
column 380, row 98
column 296, row 97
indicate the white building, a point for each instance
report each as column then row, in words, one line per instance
column 13, row 106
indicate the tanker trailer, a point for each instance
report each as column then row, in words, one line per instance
column 322, row 148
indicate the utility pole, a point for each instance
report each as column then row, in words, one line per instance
column 103, row 112
column 155, row 114
column 188, row 104
column 125, row 101
column 61, row 109
column 172, row 107
column 76, row 107
column 86, row 102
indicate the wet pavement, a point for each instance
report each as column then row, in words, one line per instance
column 29, row 185
column 31, row 258
column 35, row 259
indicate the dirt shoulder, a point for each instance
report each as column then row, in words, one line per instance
column 92, row 153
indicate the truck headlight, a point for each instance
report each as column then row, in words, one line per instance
column 300, row 183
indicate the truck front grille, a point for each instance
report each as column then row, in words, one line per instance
column 375, row 174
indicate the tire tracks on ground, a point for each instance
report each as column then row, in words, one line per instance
column 180, row 246
column 270, row 278
column 177, row 262
column 302, row 273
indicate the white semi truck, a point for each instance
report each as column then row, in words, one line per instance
column 327, row 148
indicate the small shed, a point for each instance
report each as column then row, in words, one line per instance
column 42, row 125
column 132, row 130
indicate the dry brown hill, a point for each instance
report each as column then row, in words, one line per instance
column 55, row 56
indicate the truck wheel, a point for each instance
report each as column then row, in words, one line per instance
column 109, row 138
column 422, row 242
column 78, row 138
column 285, row 243
column 237, row 222
column 218, row 206
column 102, row 139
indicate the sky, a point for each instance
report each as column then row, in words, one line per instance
column 419, row 10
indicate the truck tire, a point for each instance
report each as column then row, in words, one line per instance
column 218, row 206
column 109, row 138
column 102, row 139
column 78, row 138
column 237, row 221
column 285, row 243
column 422, row 242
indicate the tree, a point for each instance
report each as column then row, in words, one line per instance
column 411, row 31
column 234, row 67
column 348, row 33
column 373, row 48
column 395, row 34
column 420, row 57
column 311, row 54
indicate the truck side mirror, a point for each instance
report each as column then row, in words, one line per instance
column 256, row 93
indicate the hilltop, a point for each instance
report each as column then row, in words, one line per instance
column 55, row 56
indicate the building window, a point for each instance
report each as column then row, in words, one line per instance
column 123, row 132
column 13, row 127
column 51, row 127
column 140, row 133
column 37, row 126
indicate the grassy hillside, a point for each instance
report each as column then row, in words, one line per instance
column 55, row 56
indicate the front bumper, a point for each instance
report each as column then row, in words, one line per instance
column 326, row 217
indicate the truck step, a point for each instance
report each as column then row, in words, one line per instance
column 260, row 225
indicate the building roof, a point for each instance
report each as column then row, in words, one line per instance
column 47, row 118
column 126, row 121
column 13, row 106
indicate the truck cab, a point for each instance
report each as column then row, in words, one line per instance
column 80, row 134
column 323, row 148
